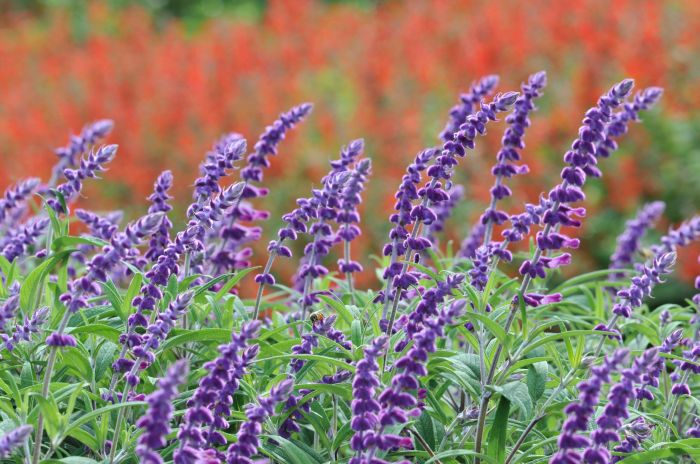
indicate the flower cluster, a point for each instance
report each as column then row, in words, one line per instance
column 79, row 144
column 365, row 408
column 348, row 217
column 19, row 242
column 156, row 333
column 231, row 254
column 512, row 141
column 631, row 297
column 156, row 421
column 629, row 241
column 13, row 440
column 210, row 406
column 248, row 442
column 12, row 203
column 25, row 331
column 159, row 204
column 616, row 411
column 580, row 412
column 90, row 166
column 467, row 102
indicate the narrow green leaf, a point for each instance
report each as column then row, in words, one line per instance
column 496, row 445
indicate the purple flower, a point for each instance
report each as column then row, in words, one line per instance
column 27, row 235
column 79, row 144
column 166, row 266
column 580, row 412
column 428, row 307
column 365, row 408
column 156, row 421
column 156, row 333
column 637, row 431
column 99, row 226
column 26, row 330
column 443, row 211
column 432, row 194
column 8, row 309
column 683, row 235
column 405, row 196
column 12, row 203
column 327, row 203
column 248, row 435
column 349, row 217
column 210, row 406
column 670, row 342
column 13, row 440
column 631, row 297
column 616, row 411
column 629, row 241
column 159, row 204
column 90, row 166
column 581, row 159
column 472, row 241
column 468, row 102
column 400, row 401
column 227, row 151
column 231, row 253
column 511, row 142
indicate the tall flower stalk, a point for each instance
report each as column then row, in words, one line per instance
column 580, row 158
column 399, row 277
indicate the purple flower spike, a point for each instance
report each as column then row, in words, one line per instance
column 90, row 167
column 156, row 421
column 27, row 235
column 428, row 307
column 468, row 102
column 210, row 406
column 432, row 195
column 25, row 331
column 629, row 241
column 616, row 411
column 443, row 212
column 401, row 400
column 580, row 412
column 99, row 226
column 159, row 204
column 13, row 440
column 683, row 235
column 12, row 203
column 79, row 144
column 349, row 217
column 248, row 441
column 227, row 151
column 232, row 252
column 472, row 241
column 8, row 310
column 581, row 160
column 158, row 331
column 365, row 408
column 632, row 297
column 518, row 121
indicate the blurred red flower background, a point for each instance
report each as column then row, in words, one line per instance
column 388, row 73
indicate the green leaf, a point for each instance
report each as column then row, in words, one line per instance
column 226, row 288
column 495, row 329
column 496, row 447
column 69, row 241
column 187, row 336
column 518, row 395
column 101, row 330
column 536, row 380
column 98, row 412
column 690, row 446
column 30, row 288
